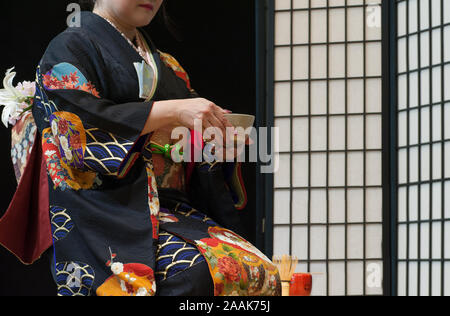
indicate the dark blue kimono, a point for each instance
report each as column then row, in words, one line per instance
column 114, row 232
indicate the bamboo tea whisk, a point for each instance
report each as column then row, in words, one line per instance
column 286, row 266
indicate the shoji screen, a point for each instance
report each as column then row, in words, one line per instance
column 328, row 193
column 424, row 147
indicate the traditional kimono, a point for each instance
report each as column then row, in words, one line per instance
column 88, row 186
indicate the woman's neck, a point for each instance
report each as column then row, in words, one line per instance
column 127, row 30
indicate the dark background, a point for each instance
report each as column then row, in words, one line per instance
column 217, row 50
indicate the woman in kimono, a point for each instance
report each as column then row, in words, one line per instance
column 102, row 189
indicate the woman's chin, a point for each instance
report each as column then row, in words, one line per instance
column 141, row 20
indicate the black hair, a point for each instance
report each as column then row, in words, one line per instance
column 161, row 17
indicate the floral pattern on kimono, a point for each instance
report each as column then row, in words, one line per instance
column 63, row 176
column 130, row 279
column 171, row 62
column 22, row 140
column 237, row 267
column 67, row 76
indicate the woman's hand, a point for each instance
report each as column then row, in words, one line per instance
column 187, row 112
column 199, row 109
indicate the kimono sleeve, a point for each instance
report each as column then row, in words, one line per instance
column 90, row 131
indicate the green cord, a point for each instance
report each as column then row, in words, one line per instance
column 166, row 150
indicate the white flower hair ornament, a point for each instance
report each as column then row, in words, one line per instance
column 16, row 100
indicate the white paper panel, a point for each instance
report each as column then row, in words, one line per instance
column 300, row 62
column 355, row 172
column 402, row 246
column 402, row 210
column 447, row 200
column 337, row 25
column 402, row 166
column 355, row 205
column 318, row 61
column 447, row 43
column 337, row 60
column 425, row 279
column 337, row 170
column 412, row 16
column 413, row 205
column 374, row 132
column 355, row 277
column 318, row 97
column 413, row 241
column 337, row 97
column 300, row 207
column 355, row 96
column 402, row 89
column 319, row 206
column 355, row 60
column 355, row 24
column 355, row 132
column 320, row 281
column 447, row 272
column 281, row 206
column 425, row 211
column 318, row 170
column 318, row 242
column 401, row 53
column 424, row 15
column 281, row 177
column 300, row 246
column 447, row 238
column 374, row 205
column 282, row 99
column 413, row 56
column 337, row 242
column 437, row 123
column 401, row 279
column 424, row 48
column 373, row 59
column 414, row 164
column 301, row 134
column 282, row 63
column 318, row 26
column 281, row 240
column 337, row 205
column 337, row 278
column 282, row 28
column 425, row 241
column 436, row 279
column 282, row 4
column 436, row 12
column 301, row 27
column 425, row 124
column 284, row 141
column 355, row 238
column 412, row 279
column 437, row 201
column 414, row 89
column 447, row 159
column 373, row 96
column 319, row 130
column 337, row 133
column 437, row 240
column 301, row 167
column 301, row 97
column 374, row 239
